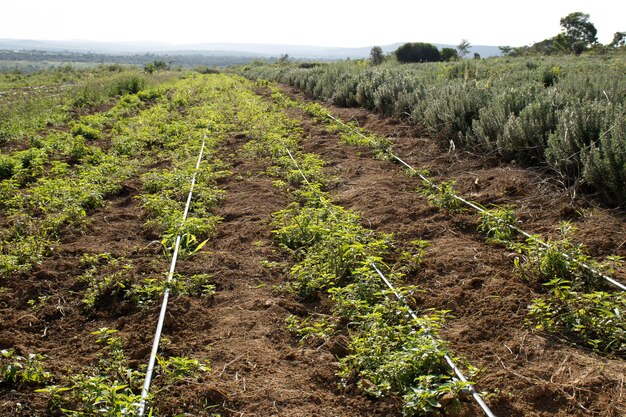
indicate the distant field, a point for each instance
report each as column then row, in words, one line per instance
column 30, row 61
column 34, row 66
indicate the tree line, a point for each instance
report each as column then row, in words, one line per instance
column 577, row 35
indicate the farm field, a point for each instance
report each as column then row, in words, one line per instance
column 277, row 307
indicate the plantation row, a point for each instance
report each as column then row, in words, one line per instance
column 53, row 186
column 568, row 114
column 390, row 352
column 576, row 306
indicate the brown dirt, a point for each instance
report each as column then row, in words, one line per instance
column 533, row 374
column 258, row 368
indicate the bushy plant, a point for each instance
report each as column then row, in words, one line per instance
column 594, row 319
column 525, row 136
column 16, row 369
column 450, row 112
column 605, row 162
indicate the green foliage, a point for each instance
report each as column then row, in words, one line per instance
column 454, row 109
column 157, row 65
column 85, row 131
column 417, row 52
column 463, row 47
column 488, row 129
column 496, row 224
column 105, row 390
column 395, row 354
column 16, row 370
column 441, row 195
column 562, row 259
column 577, row 28
column 390, row 353
column 177, row 368
column 449, row 54
column 605, row 162
column 411, row 259
column 517, row 108
column 376, row 55
column 109, row 388
column 594, row 319
column 110, row 278
column 330, row 243
column 311, row 328
column 525, row 136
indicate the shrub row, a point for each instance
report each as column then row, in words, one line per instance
column 568, row 114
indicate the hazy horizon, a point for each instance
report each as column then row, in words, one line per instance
column 348, row 24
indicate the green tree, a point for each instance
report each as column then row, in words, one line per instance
column 463, row 47
column 505, row 50
column 577, row 28
column 449, row 54
column 376, row 55
column 619, row 39
column 417, row 52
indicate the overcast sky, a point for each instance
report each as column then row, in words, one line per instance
column 314, row 22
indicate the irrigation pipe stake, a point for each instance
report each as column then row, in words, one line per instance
column 482, row 210
column 399, row 296
column 166, row 294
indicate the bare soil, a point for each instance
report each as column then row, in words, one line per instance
column 258, row 368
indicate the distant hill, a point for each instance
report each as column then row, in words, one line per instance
column 213, row 49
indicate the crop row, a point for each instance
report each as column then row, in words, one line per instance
column 390, row 352
column 166, row 136
column 567, row 113
column 575, row 306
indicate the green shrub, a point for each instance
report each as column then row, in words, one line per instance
column 85, row 131
column 417, row 52
column 525, row 136
column 605, row 163
column 488, row 129
column 130, row 84
column 578, row 128
column 450, row 112
column 594, row 319
column 8, row 165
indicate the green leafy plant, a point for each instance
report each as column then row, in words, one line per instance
column 563, row 259
column 441, row 195
column 497, row 224
column 16, row 369
column 594, row 319
column 111, row 387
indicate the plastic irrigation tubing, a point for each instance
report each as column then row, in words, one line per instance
column 447, row 357
column 166, row 295
column 482, row 210
column 399, row 296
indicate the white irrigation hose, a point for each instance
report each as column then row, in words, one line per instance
column 166, row 294
column 482, row 210
column 399, row 296
column 447, row 357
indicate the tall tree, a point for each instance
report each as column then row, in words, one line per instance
column 577, row 28
column 449, row 54
column 463, row 47
column 619, row 39
column 376, row 55
column 418, row 52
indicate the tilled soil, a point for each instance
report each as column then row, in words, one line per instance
column 258, row 367
column 530, row 374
